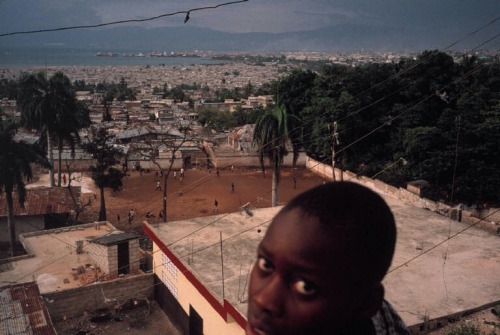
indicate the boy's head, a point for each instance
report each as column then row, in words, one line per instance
column 321, row 262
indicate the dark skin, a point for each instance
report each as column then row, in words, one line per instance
column 297, row 285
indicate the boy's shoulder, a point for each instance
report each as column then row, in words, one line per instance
column 387, row 321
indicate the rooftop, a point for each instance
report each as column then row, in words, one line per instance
column 54, row 258
column 428, row 278
column 22, row 311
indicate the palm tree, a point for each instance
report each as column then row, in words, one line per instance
column 50, row 106
column 270, row 136
column 15, row 159
column 70, row 122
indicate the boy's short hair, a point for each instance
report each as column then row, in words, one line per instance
column 361, row 223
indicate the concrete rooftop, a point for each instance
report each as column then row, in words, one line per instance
column 54, row 257
column 459, row 274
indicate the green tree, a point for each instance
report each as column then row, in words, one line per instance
column 106, row 157
column 123, row 92
column 217, row 120
column 107, row 102
column 15, row 168
column 50, row 106
column 270, row 137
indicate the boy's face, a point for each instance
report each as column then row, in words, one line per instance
column 296, row 285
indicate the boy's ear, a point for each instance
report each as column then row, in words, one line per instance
column 372, row 302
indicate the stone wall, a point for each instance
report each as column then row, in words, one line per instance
column 77, row 301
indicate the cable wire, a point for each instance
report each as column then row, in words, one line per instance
column 187, row 12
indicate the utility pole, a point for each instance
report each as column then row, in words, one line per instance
column 335, row 141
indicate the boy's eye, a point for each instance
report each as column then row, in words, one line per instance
column 304, row 288
column 264, row 265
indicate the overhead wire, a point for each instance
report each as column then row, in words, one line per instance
column 371, row 132
column 87, row 26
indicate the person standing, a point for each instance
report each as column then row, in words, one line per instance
column 232, row 187
column 216, row 206
column 158, row 186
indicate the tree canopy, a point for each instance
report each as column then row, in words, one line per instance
column 440, row 114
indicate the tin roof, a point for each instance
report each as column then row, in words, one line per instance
column 42, row 200
column 23, row 311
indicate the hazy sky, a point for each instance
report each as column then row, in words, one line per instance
column 458, row 17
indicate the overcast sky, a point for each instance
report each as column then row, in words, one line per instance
column 458, row 17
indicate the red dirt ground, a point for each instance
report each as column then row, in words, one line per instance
column 199, row 191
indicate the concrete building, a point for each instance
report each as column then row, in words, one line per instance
column 80, row 269
column 202, row 268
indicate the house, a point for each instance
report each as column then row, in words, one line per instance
column 44, row 208
column 226, row 106
column 81, row 268
column 241, row 139
column 202, row 265
column 201, row 290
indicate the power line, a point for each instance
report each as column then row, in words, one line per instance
column 187, row 12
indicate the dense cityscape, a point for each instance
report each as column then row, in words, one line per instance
column 184, row 191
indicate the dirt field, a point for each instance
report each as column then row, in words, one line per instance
column 195, row 195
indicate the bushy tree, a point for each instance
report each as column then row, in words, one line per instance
column 106, row 157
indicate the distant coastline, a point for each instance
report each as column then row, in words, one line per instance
column 29, row 57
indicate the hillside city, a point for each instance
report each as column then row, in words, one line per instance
column 160, row 137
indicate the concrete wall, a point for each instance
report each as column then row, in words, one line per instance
column 24, row 224
column 74, row 302
column 224, row 160
column 186, row 294
column 490, row 223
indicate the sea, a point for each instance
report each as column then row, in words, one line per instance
column 27, row 57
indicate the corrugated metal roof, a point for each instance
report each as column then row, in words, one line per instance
column 42, row 200
column 23, row 311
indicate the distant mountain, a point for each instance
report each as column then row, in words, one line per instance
column 333, row 38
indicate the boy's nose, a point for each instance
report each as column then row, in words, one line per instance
column 270, row 296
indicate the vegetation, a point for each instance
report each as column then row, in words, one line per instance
column 50, row 106
column 106, row 156
column 15, row 168
column 270, row 138
column 464, row 329
column 172, row 140
column 440, row 116
column 222, row 121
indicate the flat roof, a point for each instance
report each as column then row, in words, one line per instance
column 54, row 257
column 430, row 276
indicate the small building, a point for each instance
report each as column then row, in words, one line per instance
column 116, row 253
column 241, row 139
column 44, row 208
